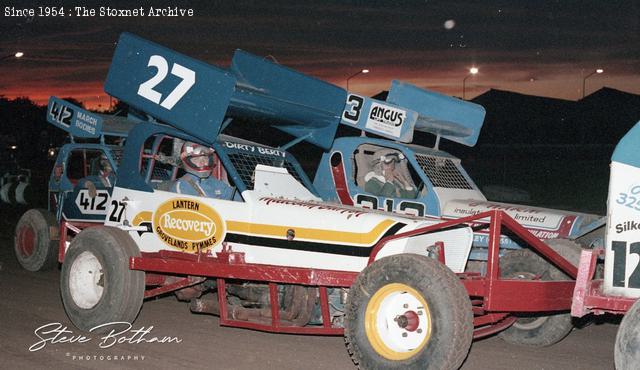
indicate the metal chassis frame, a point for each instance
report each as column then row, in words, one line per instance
column 494, row 299
column 588, row 296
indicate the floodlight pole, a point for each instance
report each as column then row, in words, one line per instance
column 472, row 72
column 363, row 71
column 584, row 80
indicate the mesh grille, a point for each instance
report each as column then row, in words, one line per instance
column 246, row 164
column 161, row 171
column 442, row 172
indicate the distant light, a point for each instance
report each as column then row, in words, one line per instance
column 52, row 152
column 473, row 70
column 449, row 24
column 19, row 54
column 362, row 71
column 14, row 147
column 584, row 80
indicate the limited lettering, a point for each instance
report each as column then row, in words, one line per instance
column 529, row 218
column 503, row 207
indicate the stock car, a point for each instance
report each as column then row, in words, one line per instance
column 275, row 223
column 276, row 257
column 77, row 190
column 443, row 188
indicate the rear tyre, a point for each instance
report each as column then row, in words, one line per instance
column 408, row 312
column 538, row 330
column 33, row 245
column 627, row 348
column 96, row 284
column 571, row 251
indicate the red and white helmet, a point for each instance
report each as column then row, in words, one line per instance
column 193, row 157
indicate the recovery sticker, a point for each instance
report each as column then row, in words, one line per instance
column 188, row 225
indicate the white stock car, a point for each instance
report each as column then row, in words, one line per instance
column 277, row 226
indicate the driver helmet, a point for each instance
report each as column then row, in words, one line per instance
column 197, row 159
column 388, row 157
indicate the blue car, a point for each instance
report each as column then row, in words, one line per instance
column 79, row 186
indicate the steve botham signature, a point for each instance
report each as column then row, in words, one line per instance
column 117, row 333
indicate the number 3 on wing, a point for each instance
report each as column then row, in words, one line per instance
column 146, row 88
column 351, row 112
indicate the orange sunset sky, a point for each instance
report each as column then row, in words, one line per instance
column 541, row 48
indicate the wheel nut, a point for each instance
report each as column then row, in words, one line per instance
column 405, row 305
column 420, row 313
column 404, row 335
column 419, row 331
column 402, row 321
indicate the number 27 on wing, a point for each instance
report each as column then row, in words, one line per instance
column 146, row 89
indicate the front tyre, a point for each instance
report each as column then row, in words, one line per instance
column 627, row 348
column 408, row 311
column 96, row 284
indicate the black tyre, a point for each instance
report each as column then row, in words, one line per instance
column 408, row 312
column 96, row 284
column 33, row 245
column 568, row 249
column 571, row 250
column 536, row 329
column 627, row 348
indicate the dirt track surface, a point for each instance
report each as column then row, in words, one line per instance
column 31, row 300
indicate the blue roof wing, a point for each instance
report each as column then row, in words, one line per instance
column 79, row 122
column 378, row 117
column 626, row 150
column 188, row 94
column 297, row 104
column 76, row 121
column 195, row 97
column 116, row 125
column 452, row 118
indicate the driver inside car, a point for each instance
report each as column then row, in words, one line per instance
column 387, row 180
column 198, row 162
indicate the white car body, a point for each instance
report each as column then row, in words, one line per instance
column 279, row 223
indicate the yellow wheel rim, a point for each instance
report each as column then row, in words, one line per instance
column 397, row 322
